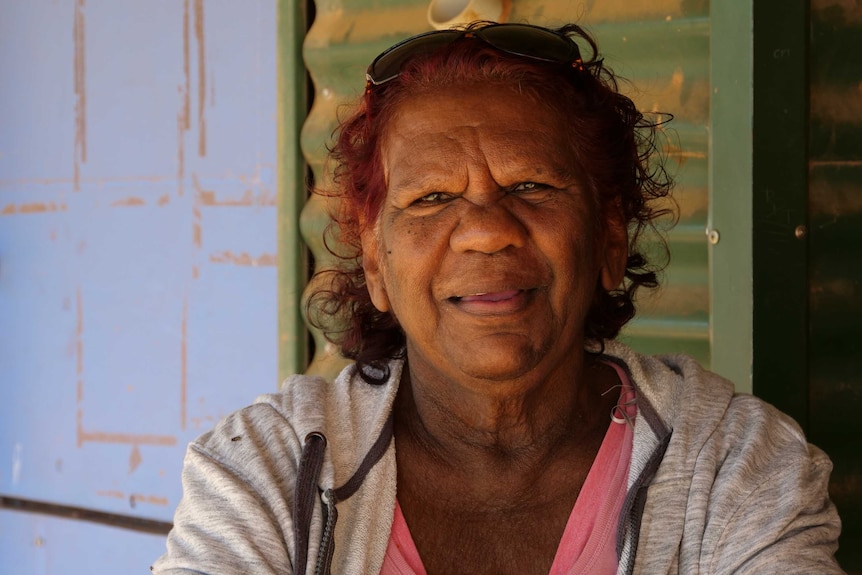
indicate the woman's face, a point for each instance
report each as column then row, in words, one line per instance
column 488, row 248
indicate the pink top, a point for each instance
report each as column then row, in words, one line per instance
column 588, row 544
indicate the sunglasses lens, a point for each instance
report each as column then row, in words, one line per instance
column 518, row 39
column 388, row 64
column 532, row 42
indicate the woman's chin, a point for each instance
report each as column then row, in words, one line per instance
column 501, row 359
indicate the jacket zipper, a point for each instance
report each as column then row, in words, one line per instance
column 327, row 539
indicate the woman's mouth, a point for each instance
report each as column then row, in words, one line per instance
column 493, row 303
column 490, row 297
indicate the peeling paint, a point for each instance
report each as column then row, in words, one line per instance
column 184, row 115
column 32, row 208
column 242, row 259
column 111, row 493
column 248, row 198
column 135, row 459
column 128, row 202
column 79, row 35
column 134, row 498
column 98, row 181
column 151, row 499
column 122, row 438
column 202, row 77
column 197, row 230
column 187, row 105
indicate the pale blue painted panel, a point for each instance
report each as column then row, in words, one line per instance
column 138, row 229
column 37, row 125
column 36, row 544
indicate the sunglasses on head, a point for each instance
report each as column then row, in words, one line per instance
column 533, row 42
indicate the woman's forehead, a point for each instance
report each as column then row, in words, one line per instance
column 485, row 120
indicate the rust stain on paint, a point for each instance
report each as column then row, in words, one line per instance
column 100, row 181
column 197, row 230
column 128, row 202
column 242, row 259
column 181, row 155
column 187, row 105
column 111, row 493
column 184, row 115
column 184, row 380
column 80, row 91
column 133, row 498
column 135, row 459
column 79, row 428
column 32, row 208
column 202, row 77
column 164, row 200
column 151, row 499
column 125, row 438
column 248, row 198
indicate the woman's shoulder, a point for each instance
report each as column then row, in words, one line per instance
column 699, row 407
column 349, row 412
column 673, row 388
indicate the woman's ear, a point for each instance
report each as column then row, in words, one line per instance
column 373, row 267
column 616, row 251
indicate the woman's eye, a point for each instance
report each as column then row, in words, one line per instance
column 432, row 198
column 527, row 187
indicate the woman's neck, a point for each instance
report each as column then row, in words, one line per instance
column 477, row 426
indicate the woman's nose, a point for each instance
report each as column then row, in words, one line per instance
column 487, row 228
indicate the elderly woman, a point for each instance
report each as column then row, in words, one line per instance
column 494, row 185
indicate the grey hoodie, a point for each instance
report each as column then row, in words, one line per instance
column 304, row 481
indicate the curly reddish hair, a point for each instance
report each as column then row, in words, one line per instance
column 613, row 147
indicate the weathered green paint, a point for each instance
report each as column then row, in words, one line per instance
column 730, row 215
column 292, row 259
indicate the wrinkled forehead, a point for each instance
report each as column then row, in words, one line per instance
column 468, row 120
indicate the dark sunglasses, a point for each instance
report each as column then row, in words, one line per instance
column 525, row 40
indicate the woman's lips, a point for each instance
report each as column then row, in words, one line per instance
column 490, row 297
column 493, row 303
